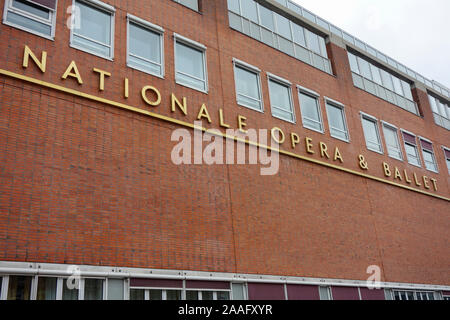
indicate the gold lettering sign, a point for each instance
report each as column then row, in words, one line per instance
column 421, row 184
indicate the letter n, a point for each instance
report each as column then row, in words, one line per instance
column 41, row 64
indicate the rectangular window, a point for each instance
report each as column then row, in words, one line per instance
column 353, row 63
column 392, row 142
column 190, row 64
column 325, row 293
column 310, row 110
column 371, row 133
column 441, row 112
column 447, row 158
column 428, row 155
column 281, row 99
column 283, row 26
column 337, row 121
column 413, row 295
column 93, row 289
column 46, row 289
column 94, row 32
column 248, row 86
column 37, row 17
column 69, row 290
column 19, row 288
column 412, row 153
column 238, row 291
column 193, row 4
column 145, row 46
column 137, row 294
column 364, row 67
column 115, row 289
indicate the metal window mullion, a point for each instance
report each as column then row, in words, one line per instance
column 190, row 76
column 144, row 59
column 92, row 40
column 312, row 120
column 59, row 288
column 279, row 108
column 81, row 290
column 4, row 288
column 248, row 97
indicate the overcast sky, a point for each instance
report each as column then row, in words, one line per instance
column 416, row 33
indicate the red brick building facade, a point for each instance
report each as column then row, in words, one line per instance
column 87, row 177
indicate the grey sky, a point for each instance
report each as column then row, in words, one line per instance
column 413, row 32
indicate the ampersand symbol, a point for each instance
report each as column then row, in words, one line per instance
column 363, row 163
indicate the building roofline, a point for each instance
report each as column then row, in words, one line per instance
column 342, row 38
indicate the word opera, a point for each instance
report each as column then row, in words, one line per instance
column 392, row 175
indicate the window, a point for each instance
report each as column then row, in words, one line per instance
column 93, row 289
column 325, row 293
column 248, row 86
column 310, row 110
column 447, row 158
column 381, row 83
column 95, row 32
column 353, row 63
column 193, row 4
column 281, row 99
column 115, row 289
column 441, row 112
column 413, row 295
column 392, row 142
column 190, row 64
column 155, row 294
column 238, row 291
column 277, row 31
column 336, row 120
column 69, row 291
column 46, row 289
column 428, row 155
column 207, row 295
column 145, row 46
column 19, row 288
column 37, row 17
column 412, row 153
column 371, row 133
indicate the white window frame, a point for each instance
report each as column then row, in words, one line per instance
column 341, row 106
column 152, row 28
column 51, row 21
column 243, row 65
column 389, row 126
column 214, row 291
column 415, row 146
column 107, row 9
column 415, row 294
column 432, row 154
column 368, row 117
column 163, row 291
column 197, row 46
column 5, row 285
column 81, row 291
column 316, row 96
column 288, row 84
